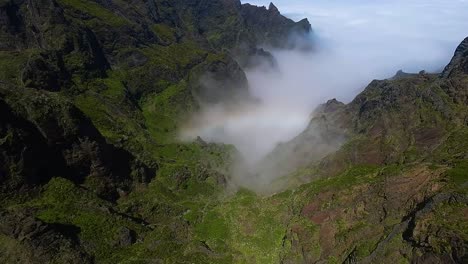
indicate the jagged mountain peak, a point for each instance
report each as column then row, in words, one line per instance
column 459, row 62
column 272, row 8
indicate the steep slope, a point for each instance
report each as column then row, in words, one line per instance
column 404, row 119
column 46, row 136
column 382, row 180
column 389, row 177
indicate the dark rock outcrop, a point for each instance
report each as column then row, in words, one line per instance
column 219, row 80
column 400, row 74
column 459, row 62
column 125, row 237
column 454, row 79
column 273, row 29
column 44, row 136
column 67, row 48
column 257, row 57
column 38, row 242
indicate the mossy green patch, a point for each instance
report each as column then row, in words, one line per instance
column 213, row 227
column 451, row 217
column 355, row 175
column 247, row 224
column 65, row 203
column 96, row 10
column 459, row 173
column 106, row 103
column 11, row 64
column 178, row 56
column 366, row 247
column 164, row 33
column 455, row 146
column 165, row 111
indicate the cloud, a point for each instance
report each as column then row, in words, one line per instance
column 357, row 41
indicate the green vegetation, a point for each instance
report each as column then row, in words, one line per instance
column 96, row 10
column 164, row 32
column 212, row 228
column 458, row 176
column 65, row 203
column 355, row 175
column 454, row 147
column 450, row 217
column 12, row 63
column 176, row 57
column 164, row 112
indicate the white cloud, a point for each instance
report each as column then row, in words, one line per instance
column 373, row 39
column 357, row 41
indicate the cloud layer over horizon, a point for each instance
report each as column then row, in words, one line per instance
column 374, row 39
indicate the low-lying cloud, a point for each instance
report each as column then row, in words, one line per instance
column 356, row 42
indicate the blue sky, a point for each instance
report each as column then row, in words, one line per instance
column 359, row 41
column 423, row 32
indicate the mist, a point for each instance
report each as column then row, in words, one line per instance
column 355, row 42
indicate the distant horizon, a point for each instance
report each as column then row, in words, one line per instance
column 402, row 25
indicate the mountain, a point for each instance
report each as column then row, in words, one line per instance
column 92, row 94
column 383, row 178
column 400, row 120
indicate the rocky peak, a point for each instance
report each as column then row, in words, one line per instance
column 305, row 25
column 400, row 74
column 273, row 9
column 459, row 62
column 272, row 28
column 462, row 49
column 331, row 106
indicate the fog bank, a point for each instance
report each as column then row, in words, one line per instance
column 361, row 40
column 356, row 42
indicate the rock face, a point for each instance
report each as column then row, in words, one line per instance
column 280, row 31
column 453, row 74
column 42, row 25
column 247, row 25
column 33, row 27
column 44, row 136
column 458, row 64
column 207, row 78
column 38, row 242
column 126, row 237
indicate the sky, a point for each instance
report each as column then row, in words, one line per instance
column 356, row 42
column 374, row 39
